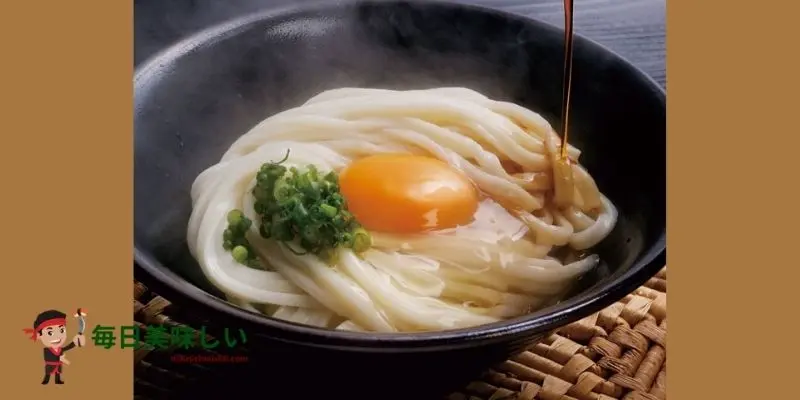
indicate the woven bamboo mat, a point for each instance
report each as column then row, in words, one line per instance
column 618, row 353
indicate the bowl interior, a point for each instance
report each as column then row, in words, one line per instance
column 194, row 100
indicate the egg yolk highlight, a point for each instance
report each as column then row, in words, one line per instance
column 407, row 194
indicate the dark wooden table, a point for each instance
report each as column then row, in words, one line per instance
column 633, row 28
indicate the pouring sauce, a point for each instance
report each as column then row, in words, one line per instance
column 567, row 80
column 562, row 170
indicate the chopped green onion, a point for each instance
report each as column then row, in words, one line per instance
column 235, row 217
column 234, row 238
column 240, row 254
column 300, row 207
column 329, row 210
column 305, row 206
column 361, row 240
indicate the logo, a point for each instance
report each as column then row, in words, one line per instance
column 162, row 337
column 50, row 328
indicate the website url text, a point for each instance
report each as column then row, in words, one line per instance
column 207, row 359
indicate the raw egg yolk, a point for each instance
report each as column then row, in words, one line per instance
column 407, row 194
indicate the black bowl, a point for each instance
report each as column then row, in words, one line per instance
column 194, row 99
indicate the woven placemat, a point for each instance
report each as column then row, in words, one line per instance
column 618, row 353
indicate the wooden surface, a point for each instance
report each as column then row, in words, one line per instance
column 633, row 28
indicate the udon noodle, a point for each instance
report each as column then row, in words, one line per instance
column 502, row 264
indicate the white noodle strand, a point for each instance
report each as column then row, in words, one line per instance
column 500, row 266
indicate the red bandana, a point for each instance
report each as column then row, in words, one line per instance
column 45, row 324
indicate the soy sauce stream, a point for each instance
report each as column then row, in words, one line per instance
column 567, row 80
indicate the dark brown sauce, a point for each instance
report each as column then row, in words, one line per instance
column 567, row 80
